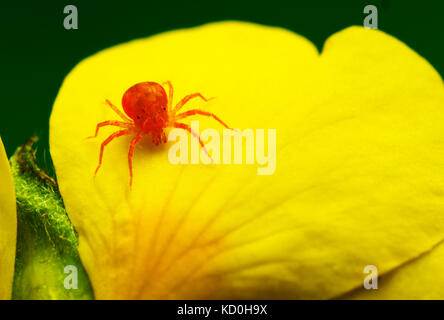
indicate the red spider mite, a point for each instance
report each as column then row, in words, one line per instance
column 150, row 111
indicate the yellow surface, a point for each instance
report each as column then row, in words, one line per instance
column 8, row 227
column 420, row 278
column 359, row 176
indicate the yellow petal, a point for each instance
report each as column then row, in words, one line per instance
column 8, row 227
column 357, row 181
column 418, row 279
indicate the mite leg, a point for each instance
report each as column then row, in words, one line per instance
column 135, row 140
column 188, row 98
column 188, row 128
column 164, row 137
column 111, row 123
column 203, row 113
column 116, row 110
column 170, row 94
column 108, row 140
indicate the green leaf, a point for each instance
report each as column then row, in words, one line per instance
column 46, row 240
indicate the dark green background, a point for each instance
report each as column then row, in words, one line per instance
column 37, row 52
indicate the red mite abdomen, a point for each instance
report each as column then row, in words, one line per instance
column 146, row 103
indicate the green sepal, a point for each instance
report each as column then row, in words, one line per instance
column 47, row 244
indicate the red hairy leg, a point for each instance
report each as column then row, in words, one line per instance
column 188, row 128
column 108, row 140
column 135, row 140
column 111, row 123
column 188, row 98
column 170, row 94
column 203, row 113
column 116, row 110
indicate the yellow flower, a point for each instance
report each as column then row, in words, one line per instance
column 8, row 227
column 358, row 180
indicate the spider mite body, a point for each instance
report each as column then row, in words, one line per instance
column 149, row 111
column 146, row 104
